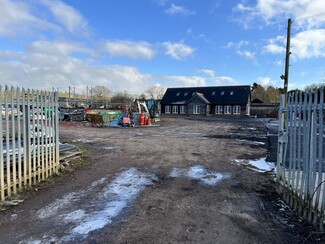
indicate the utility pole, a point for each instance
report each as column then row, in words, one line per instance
column 286, row 72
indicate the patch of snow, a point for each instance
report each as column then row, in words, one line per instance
column 189, row 133
column 54, row 207
column 108, row 148
column 66, row 201
column 116, row 197
column 262, row 165
column 84, row 140
column 94, row 214
column 74, row 216
column 252, row 142
column 239, row 161
column 199, row 173
column 259, row 165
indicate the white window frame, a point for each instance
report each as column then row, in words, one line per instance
column 227, row 109
column 218, row 109
column 167, row 109
column 196, row 109
column 175, row 109
column 182, row 109
column 237, row 109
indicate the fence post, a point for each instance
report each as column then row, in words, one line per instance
column 2, row 180
column 280, row 153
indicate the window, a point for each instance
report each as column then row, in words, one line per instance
column 237, row 109
column 175, row 109
column 185, row 94
column 167, row 109
column 213, row 93
column 227, row 109
column 222, row 93
column 218, row 109
column 232, row 93
column 196, row 109
column 182, row 109
column 178, row 94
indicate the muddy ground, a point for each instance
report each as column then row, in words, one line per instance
column 180, row 182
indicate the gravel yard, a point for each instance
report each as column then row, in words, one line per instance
column 183, row 181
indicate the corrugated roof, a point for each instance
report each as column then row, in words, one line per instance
column 213, row 94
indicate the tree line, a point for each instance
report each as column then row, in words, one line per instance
column 105, row 94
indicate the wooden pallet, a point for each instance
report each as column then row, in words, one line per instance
column 96, row 119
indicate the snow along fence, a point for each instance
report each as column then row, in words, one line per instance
column 300, row 162
column 29, row 147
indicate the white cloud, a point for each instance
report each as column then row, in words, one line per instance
column 186, row 80
column 217, row 79
column 58, row 48
column 305, row 44
column 37, row 70
column 275, row 11
column 130, row 49
column 221, row 80
column 175, row 9
column 197, row 36
column 18, row 20
column 266, row 81
column 67, row 16
column 208, row 72
column 247, row 54
column 309, row 44
column 178, row 50
column 237, row 45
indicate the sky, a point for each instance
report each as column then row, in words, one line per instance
column 130, row 46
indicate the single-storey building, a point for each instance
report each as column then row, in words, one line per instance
column 210, row 100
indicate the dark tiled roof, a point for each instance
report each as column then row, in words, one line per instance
column 200, row 96
column 213, row 94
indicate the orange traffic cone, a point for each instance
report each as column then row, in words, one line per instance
column 142, row 118
column 148, row 121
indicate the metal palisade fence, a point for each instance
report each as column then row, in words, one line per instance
column 29, row 148
column 300, row 163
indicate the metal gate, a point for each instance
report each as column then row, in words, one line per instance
column 300, row 163
column 29, row 148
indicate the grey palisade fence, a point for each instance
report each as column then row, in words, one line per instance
column 300, row 164
column 29, row 148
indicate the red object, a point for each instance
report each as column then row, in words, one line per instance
column 126, row 120
column 148, row 122
column 142, row 119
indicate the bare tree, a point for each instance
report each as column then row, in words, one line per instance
column 156, row 92
column 101, row 93
column 314, row 87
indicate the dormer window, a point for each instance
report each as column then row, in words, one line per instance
column 213, row 93
column 178, row 93
column 232, row 93
column 222, row 93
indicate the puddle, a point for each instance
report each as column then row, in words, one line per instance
column 85, row 215
column 199, row 173
column 259, row 165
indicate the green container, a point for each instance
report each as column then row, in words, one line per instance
column 110, row 115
